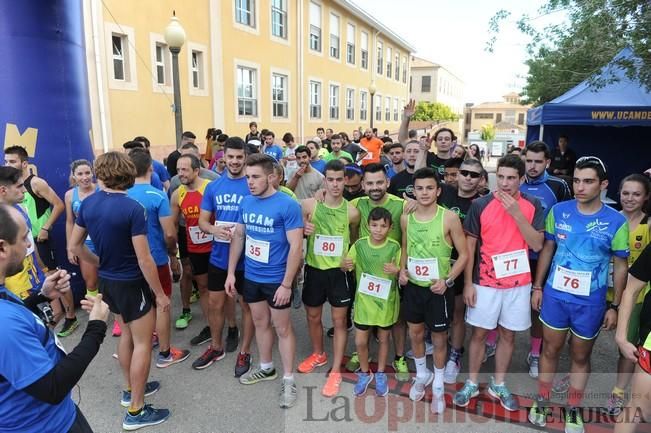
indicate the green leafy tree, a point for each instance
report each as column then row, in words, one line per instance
column 561, row 55
column 433, row 111
column 488, row 132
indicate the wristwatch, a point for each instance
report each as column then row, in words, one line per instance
column 449, row 283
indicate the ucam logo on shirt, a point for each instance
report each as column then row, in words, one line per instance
column 258, row 222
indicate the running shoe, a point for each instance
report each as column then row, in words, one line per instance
column 561, row 385
column 332, row 385
column 209, row 356
column 287, row 394
column 203, row 337
column 232, row 339
column 489, row 352
column 363, row 380
column 574, row 421
column 464, row 395
column 539, row 412
column 615, row 404
column 175, row 356
column 69, row 326
column 353, row 363
column 150, row 388
column 438, row 400
column 243, row 364
column 402, row 370
column 381, row 384
column 452, row 367
column 502, row 393
column 148, row 416
column 116, row 329
column 533, row 362
column 184, row 320
column 256, row 375
column 429, row 349
column 417, row 390
column 313, row 361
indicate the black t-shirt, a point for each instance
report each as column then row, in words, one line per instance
column 563, row 161
column 641, row 270
column 348, row 196
column 170, row 163
column 450, row 199
column 435, row 162
column 352, row 148
column 326, row 144
column 402, row 183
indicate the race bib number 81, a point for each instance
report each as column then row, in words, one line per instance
column 374, row 286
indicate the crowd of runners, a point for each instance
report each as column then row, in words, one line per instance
column 408, row 246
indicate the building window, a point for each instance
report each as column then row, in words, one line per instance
column 315, row 27
column 404, row 69
column 162, row 65
column 387, row 109
column 483, row 115
column 520, row 118
column 363, row 104
column 334, row 102
column 197, row 70
column 426, row 83
column 395, row 110
column 350, row 44
column 378, row 108
column 247, row 99
column 119, row 57
column 380, row 59
column 364, row 52
column 389, row 65
column 315, row 100
column 397, row 66
column 350, row 104
column 245, row 12
column 279, row 95
column 334, row 36
column 279, row 18
column 498, row 117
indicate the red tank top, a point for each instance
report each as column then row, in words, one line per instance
column 190, row 204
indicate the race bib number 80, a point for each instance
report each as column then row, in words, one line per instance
column 330, row 246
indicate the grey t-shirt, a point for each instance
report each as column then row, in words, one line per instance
column 175, row 183
column 308, row 184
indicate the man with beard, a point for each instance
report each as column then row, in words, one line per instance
column 373, row 147
column 353, row 182
column 402, row 182
column 306, row 181
column 396, row 154
column 221, row 203
column 337, row 152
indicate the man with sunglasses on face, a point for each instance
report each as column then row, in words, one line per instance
column 581, row 236
column 353, row 182
column 468, row 180
column 549, row 190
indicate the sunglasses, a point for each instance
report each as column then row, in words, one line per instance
column 592, row 159
column 466, row 173
column 354, row 169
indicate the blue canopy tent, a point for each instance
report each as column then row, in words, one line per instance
column 612, row 122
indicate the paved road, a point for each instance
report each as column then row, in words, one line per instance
column 212, row 400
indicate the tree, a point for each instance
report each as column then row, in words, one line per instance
column 433, row 111
column 488, row 132
column 562, row 55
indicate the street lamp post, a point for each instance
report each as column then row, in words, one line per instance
column 175, row 38
column 371, row 91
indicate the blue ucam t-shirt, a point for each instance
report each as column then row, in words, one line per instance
column 160, row 170
column 156, row 205
column 584, row 246
column 266, row 222
column 275, row 151
column 112, row 219
column 222, row 197
column 29, row 352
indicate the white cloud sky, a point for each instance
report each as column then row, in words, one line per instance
column 454, row 33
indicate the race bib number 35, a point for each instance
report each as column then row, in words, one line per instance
column 374, row 286
column 574, row 282
column 424, row 270
column 330, row 246
column 512, row 263
column 198, row 237
column 257, row 250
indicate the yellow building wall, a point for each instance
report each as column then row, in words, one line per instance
column 143, row 111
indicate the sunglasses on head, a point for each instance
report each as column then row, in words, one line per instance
column 592, row 159
column 466, row 173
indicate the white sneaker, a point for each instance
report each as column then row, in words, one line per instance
column 438, row 400
column 451, row 372
column 429, row 350
column 533, row 362
column 417, row 390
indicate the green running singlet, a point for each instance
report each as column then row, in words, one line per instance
column 393, row 204
column 428, row 252
column 331, row 237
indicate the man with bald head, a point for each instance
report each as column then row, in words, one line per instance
column 372, row 145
